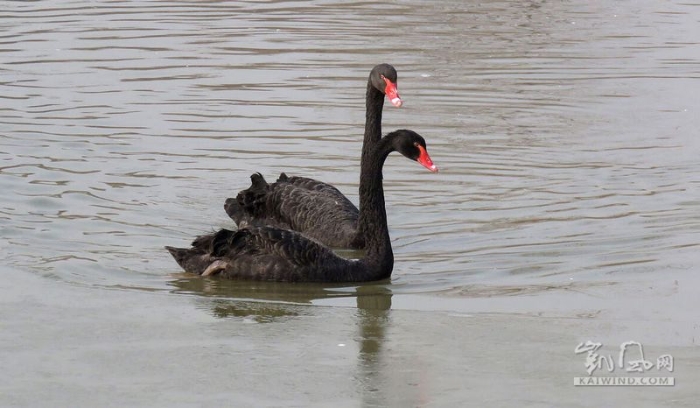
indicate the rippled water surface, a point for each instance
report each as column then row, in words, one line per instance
column 566, row 134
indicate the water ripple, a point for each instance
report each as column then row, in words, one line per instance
column 565, row 133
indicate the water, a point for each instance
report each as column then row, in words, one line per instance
column 566, row 136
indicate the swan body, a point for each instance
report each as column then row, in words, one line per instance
column 314, row 208
column 277, row 254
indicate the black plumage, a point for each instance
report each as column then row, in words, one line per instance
column 316, row 209
column 276, row 254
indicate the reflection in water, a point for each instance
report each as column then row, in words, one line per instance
column 269, row 302
column 371, row 296
column 260, row 312
column 566, row 133
column 262, row 302
column 299, row 293
column 373, row 320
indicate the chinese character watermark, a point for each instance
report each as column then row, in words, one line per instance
column 630, row 357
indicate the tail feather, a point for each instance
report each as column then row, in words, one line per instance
column 257, row 181
column 249, row 203
column 203, row 243
column 180, row 254
column 203, row 252
column 192, row 260
column 234, row 210
column 224, row 242
column 252, row 200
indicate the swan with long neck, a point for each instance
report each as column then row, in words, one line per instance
column 276, row 254
column 316, row 209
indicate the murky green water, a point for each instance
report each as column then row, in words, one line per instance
column 566, row 208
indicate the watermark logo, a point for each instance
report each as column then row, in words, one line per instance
column 630, row 358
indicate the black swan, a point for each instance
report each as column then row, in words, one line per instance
column 316, row 209
column 276, row 254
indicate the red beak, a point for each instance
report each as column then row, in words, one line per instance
column 392, row 93
column 425, row 160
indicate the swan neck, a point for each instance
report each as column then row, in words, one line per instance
column 373, row 134
column 373, row 220
column 373, row 121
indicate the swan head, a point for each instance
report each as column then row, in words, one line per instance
column 385, row 79
column 412, row 145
